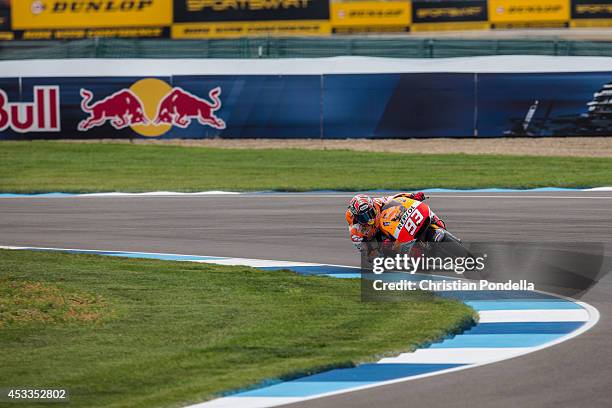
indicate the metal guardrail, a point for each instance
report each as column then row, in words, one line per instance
column 275, row 47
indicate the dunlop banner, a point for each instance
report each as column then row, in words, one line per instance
column 231, row 18
column 529, row 13
column 370, row 16
column 449, row 15
column 86, row 14
column 591, row 13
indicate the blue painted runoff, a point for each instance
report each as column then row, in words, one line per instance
column 525, row 328
column 548, row 304
column 299, row 389
column 474, row 295
column 344, row 378
column 496, row 340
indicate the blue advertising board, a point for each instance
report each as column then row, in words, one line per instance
column 405, row 105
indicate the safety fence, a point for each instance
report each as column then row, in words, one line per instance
column 343, row 105
column 297, row 47
column 198, row 19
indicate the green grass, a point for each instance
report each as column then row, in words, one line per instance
column 183, row 332
column 29, row 167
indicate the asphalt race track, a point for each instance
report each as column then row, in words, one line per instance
column 310, row 227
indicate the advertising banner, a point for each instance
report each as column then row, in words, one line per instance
column 228, row 18
column 231, row 29
column 102, row 32
column 529, row 13
column 545, row 104
column 28, row 109
column 398, row 105
column 73, row 19
column 308, row 106
column 5, row 15
column 370, row 16
column 162, row 107
column 449, row 15
column 5, row 20
column 47, row 14
column 194, row 11
column 591, row 13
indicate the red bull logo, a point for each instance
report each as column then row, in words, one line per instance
column 179, row 107
column 151, row 108
column 42, row 115
column 122, row 109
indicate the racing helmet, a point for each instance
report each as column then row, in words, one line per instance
column 363, row 210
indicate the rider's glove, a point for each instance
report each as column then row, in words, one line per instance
column 357, row 241
column 419, row 196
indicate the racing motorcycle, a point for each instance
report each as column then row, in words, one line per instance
column 406, row 224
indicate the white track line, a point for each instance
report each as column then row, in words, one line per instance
column 456, row 355
column 295, row 195
column 256, row 263
column 247, row 402
column 273, row 195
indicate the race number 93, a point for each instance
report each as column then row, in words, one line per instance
column 414, row 221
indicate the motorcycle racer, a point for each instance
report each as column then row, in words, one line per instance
column 362, row 216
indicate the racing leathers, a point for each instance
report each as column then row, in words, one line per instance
column 363, row 233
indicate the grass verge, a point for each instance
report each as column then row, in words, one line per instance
column 30, row 167
column 183, row 332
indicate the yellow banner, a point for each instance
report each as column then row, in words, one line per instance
column 525, row 11
column 241, row 29
column 371, row 13
column 458, row 26
column 595, row 22
column 80, row 33
column 49, row 14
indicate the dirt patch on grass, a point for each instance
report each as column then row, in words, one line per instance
column 548, row 146
column 24, row 302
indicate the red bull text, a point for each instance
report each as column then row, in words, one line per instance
column 42, row 115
